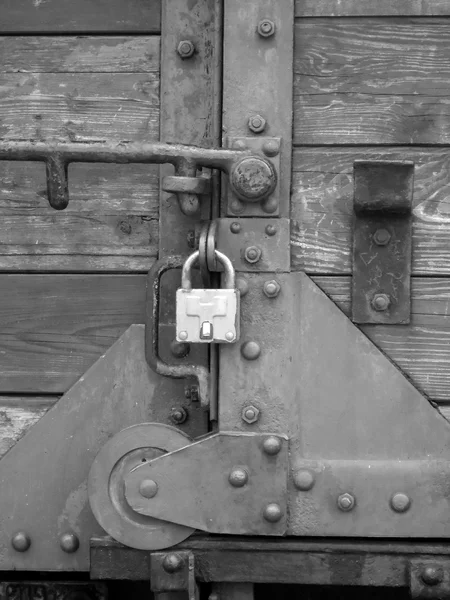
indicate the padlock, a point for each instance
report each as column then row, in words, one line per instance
column 208, row 315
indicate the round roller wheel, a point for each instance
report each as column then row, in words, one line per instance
column 120, row 454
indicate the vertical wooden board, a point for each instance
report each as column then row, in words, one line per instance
column 82, row 16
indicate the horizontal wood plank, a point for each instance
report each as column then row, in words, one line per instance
column 80, row 54
column 369, row 8
column 372, row 81
column 322, row 207
column 82, row 16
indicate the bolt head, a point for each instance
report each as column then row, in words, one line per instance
column 271, row 148
column 346, row 502
column 266, row 28
column 257, row 124
column 381, row 237
column 303, row 480
column 229, row 336
column 380, row 302
column 252, row 254
column 271, row 288
column 148, row 488
column 251, row 350
column 237, row 206
column 250, row 414
column 172, row 563
column 183, row 335
column 179, row 349
column 253, row 178
column 400, row 502
column 432, row 575
column 238, row 477
column 273, row 512
column 242, row 286
column 21, row 541
column 69, row 542
column 271, row 230
column 272, row 445
column 235, row 227
column 186, row 49
column 178, row 415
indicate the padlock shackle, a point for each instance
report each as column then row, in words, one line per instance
column 229, row 273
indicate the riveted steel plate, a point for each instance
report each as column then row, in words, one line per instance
column 382, row 242
column 429, row 577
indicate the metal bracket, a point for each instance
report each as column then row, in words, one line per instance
column 173, row 572
column 382, row 242
column 246, row 473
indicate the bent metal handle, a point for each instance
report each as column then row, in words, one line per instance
column 200, row 373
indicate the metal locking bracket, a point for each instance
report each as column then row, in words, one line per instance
column 382, row 242
column 252, row 176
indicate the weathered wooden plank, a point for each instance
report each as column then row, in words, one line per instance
column 367, row 8
column 372, row 81
column 80, row 54
column 83, row 16
column 322, row 207
column 421, row 350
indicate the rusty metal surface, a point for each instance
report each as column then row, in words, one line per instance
column 382, row 242
column 215, row 498
column 47, row 590
column 173, row 572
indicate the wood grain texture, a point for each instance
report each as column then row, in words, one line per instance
column 421, row 350
column 83, row 16
column 322, row 207
column 368, row 8
column 79, row 54
column 372, row 81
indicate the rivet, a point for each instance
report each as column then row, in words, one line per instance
column 432, row 575
column 400, row 502
column 271, row 148
column 272, row 513
column 239, row 145
column 148, row 488
column 242, row 286
column 183, row 335
column 250, row 414
column 172, row 563
column 271, row 230
column 380, row 302
column 250, row 350
column 186, row 49
column 272, row 445
column 381, row 237
column 21, row 541
column 179, row 349
column 178, row 415
column 235, row 227
column 69, row 542
column 270, row 205
column 237, row 206
column 252, row 254
column 266, row 28
column 238, row 477
column 257, row 124
column 303, row 480
column 271, row 288
column 229, row 336
column 346, row 502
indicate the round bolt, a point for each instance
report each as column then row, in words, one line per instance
column 242, row 286
column 380, row 302
column 257, row 124
column 69, row 542
column 400, row 502
column 148, row 488
column 238, row 477
column 237, row 206
column 303, row 480
column 270, row 205
column 172, row 563
column 235, row 227
column 271, row 230
column 178, row 415
column 266, row 28
column 21, row 541
column 252, row 254
column 250, row 414
column 229, row 336
column 346, row 502
column 271, row 148
column 432, row 575
column 186, row 49
column 253, row 178
column 179, row 349
column 273, row 513
column 381, row 237
column 272, row 445
column 182, row 335
column 271, row 288
column 251, row 350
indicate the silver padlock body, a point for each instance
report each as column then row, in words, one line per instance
column 208, row 316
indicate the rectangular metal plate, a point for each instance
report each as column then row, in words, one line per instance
column 382, row 242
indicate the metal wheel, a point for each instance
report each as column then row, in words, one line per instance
column 123, row 452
